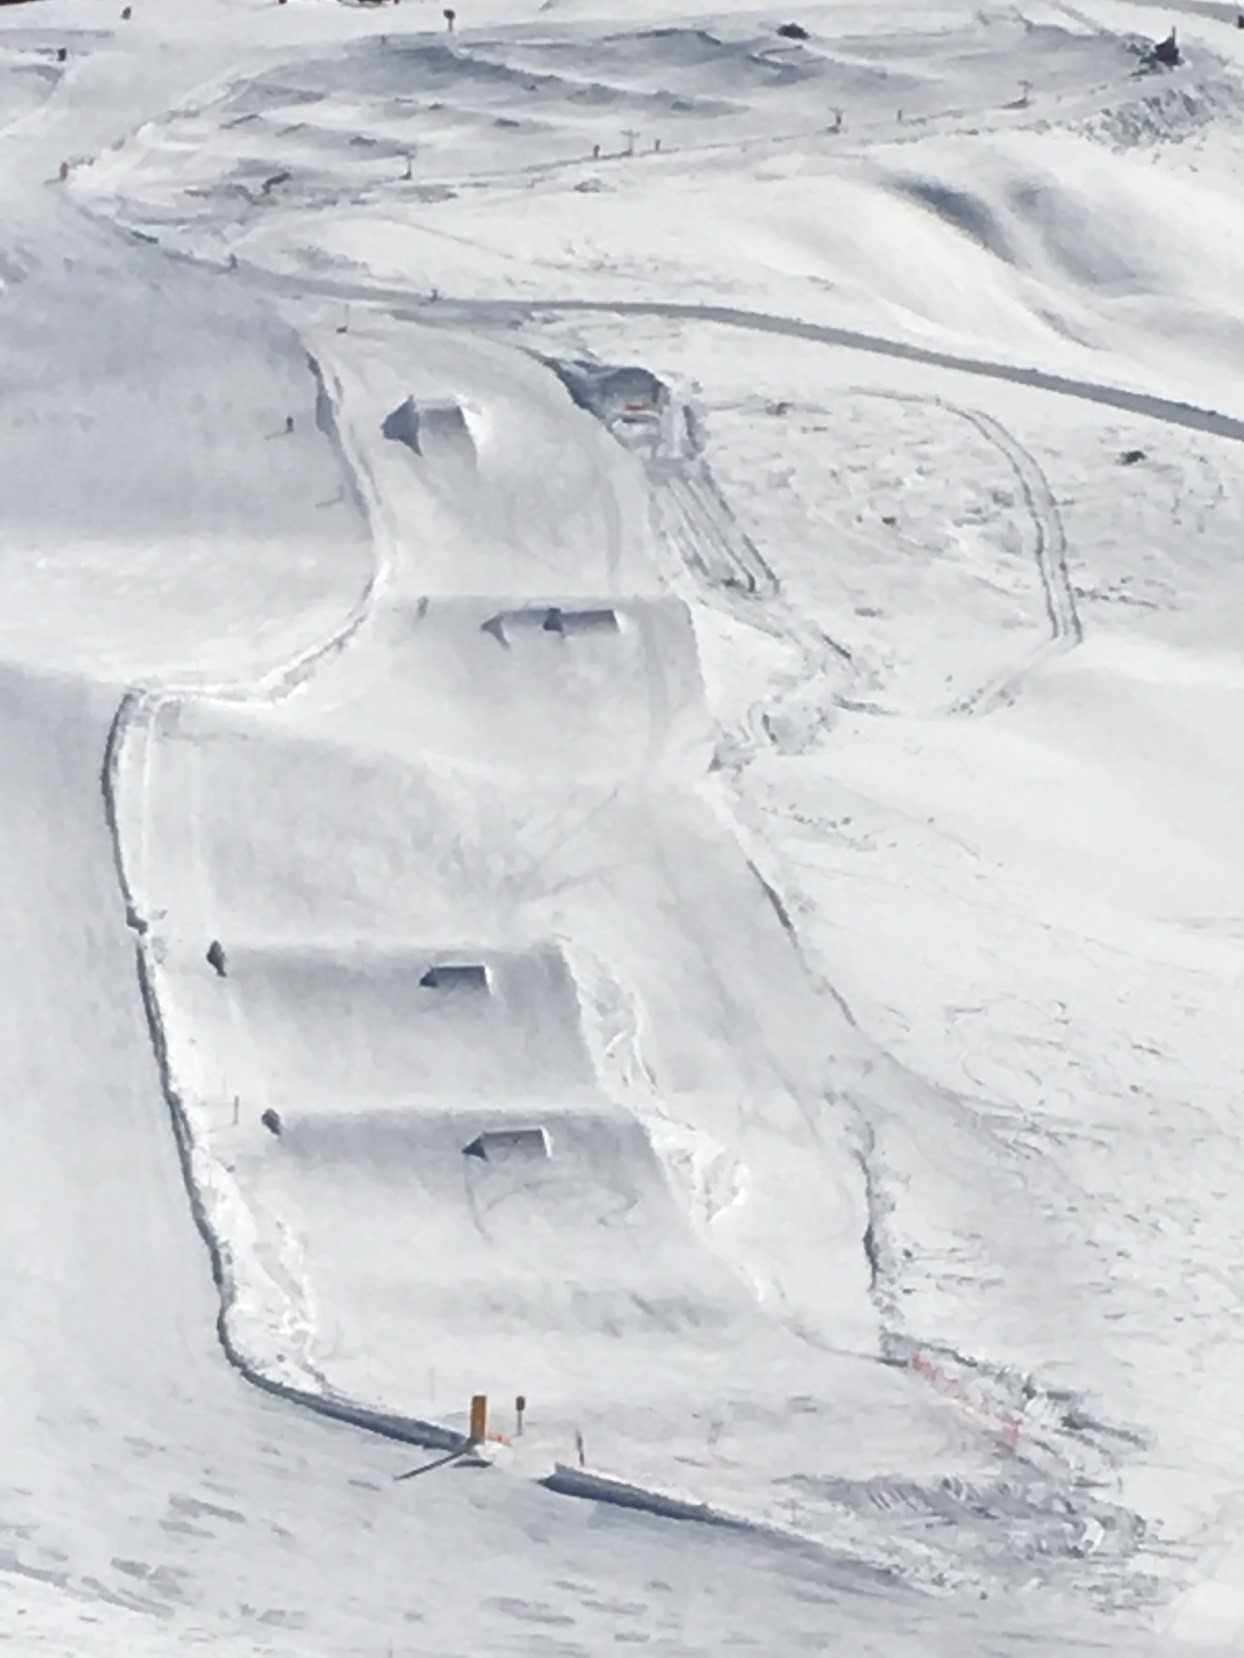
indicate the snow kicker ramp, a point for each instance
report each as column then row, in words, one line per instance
column 579, row 686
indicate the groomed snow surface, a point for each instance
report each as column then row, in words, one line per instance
column 621, row 766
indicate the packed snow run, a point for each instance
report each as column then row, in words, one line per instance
column 620, row 774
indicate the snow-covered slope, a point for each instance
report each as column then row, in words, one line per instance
column 619, row 635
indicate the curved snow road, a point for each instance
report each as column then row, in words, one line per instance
column 1169, row 411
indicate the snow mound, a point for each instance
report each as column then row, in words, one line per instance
column 1077, row 237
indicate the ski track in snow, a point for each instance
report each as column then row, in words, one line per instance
column 732, row 573
column 1050, row 550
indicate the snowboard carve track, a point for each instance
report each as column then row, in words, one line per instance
column 1049, row 550
column 1066, row 628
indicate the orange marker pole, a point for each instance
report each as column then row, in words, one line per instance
column 479, row 1418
